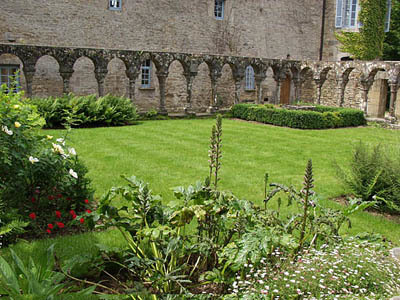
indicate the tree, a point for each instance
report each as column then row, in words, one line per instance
column 391, row 46
column 367, row 44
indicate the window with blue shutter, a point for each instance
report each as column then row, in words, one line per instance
column 219, row 9
column 339, row 13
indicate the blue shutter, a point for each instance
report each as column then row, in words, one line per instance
column 339, row 14
column 387, row 19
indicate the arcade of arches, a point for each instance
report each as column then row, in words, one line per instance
column 190, row 83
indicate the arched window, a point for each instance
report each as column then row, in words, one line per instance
column 249, row 78
column 9, row 76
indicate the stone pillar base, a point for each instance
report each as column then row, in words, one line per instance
column 212, row 109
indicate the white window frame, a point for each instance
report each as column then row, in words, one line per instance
column 115, row 4
column 219, row 9
column 347, row 13
column 9, row 77
column 146, row 74
column 388, row 13
column 249, row 79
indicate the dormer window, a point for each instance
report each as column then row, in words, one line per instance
column 114, row 5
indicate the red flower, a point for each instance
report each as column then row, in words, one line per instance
column 60, row 225
column 50, row 226
column 88, row 211
column 82, row 220
column 32, row 216
column 48, row 231
column 68, row 198
column 37, row 191
column 58, row 214
column 33, row 199
column 74, row 217
column 87, row 201
column 50, row 197
column 72, row 212
column 59, row 196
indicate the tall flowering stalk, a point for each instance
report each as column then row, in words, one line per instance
column 215, row 152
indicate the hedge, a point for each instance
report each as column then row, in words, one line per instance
column 85, row 111
column 322, row 117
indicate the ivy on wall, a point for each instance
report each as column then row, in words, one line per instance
column 367, row 44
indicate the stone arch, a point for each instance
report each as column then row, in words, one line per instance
column 175, row 92
column 378, row 102
column 8, row 59
column 328, row 88
column 202, row 88
column 226, row 87
column 307, row 85
column 116, row 82
column 287, row 88
column 47, row 80
column 83, row 80
column 147, row 97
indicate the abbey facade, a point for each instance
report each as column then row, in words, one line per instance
column 180, row 56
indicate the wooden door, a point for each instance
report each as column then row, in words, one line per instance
column 285, row 91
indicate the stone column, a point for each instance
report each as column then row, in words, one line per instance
column 393, row 96
column 365, row 86
column 214, row 75
column 297, row 89
column 100, row 76
column 259, row 78
column 318, row 82
column 132, row 76
column 278, row 81
column 66, row 76
column 340, row 89
column 189, row 84
column 29, row 72
column 162, row 79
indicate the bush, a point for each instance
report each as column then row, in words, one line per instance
column 40, row 178
column 86, row 110
column 374, row 174
column 321, row 117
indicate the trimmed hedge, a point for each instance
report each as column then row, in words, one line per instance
column 86, row 111
column 322, row 117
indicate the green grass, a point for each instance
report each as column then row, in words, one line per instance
column 174, row 152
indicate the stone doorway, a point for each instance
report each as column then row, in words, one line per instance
column 285, row 91
column 378, row 97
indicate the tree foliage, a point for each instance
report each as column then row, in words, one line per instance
column 391, row 47
column 367, row 44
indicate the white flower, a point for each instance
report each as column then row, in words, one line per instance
column 33, row 159
column 71, row 151
column 6, row 130
column 58, row 149
column 73, row 174
column 61, row 141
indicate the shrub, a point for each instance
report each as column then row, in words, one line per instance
column 86, row 110
column 374, row 173
column 321, row 117
column 41, row 178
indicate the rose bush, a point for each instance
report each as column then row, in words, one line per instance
column 40, row 176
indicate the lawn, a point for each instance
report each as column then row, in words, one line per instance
column 174, row 152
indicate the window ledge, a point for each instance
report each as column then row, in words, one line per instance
column 147, row 88
column 252, row 90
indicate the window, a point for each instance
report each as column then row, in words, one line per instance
column 219, row 9
column 7, row 75
column 347, row 14
column 114, row 5
column 249, row 78
column 146, row 74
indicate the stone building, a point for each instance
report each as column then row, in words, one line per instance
column 177, row 56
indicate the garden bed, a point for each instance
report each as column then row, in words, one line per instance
column 309, row 117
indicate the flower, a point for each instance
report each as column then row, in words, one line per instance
column 48, row 231
column 33, row 199
column 37, row 191
column 6, row 130
column 49, row 137
column 15, row 106
column 73, row 174
column 58, row 149
column 50, row 226
column 88, row 211
column 87, row 201
column 82, row 220
column 59, row 196
column 32, row 216
column 58, row 214
column 71, row 151
column 17, row 124
column 60, row 225
column 33, row 159
column 61, row 141
column 51, row 197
